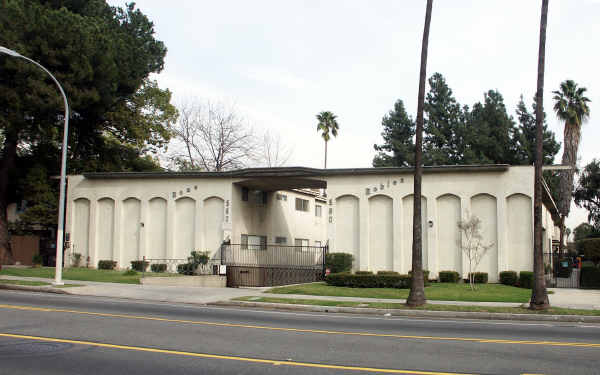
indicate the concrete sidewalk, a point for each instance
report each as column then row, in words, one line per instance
column 567, row 298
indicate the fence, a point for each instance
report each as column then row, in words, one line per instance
column 271, row 265
column 558, row 275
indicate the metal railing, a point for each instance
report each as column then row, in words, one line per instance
column 307, row 257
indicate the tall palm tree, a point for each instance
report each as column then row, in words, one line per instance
column 327, row 126
column 539, row 295
column 417, row 286
column 570, row 105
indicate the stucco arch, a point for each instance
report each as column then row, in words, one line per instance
column 485, row 207
column 347, row 226
column 381, row 195
column 448, row 234
column 381, row 233
column 81, row 227
column 407, row 228
column 519, row 225
column 157, row 228
column 185, row 226
column 347, row 195
column 213, row 217
column 105, row 226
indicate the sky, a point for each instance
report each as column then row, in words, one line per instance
column 282, row 62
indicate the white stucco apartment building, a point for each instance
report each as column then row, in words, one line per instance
column 366, row 212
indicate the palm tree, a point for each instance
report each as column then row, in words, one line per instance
column 570, row 105
column 327, row 124
column 539, row 295
column 417, row 285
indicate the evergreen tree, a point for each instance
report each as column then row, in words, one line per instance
column 398, row 149
column 524, row 138
column 442, row 124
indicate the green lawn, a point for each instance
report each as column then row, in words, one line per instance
column 429, row 307
column 23, row 282
column 437, row 292
column 83, row 274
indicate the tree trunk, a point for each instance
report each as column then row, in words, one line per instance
column 562, row 236
column 571, row 145
column 539, row 295
column 325, row 155
column 417, row 286
column 7, row 164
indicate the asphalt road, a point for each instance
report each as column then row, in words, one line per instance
column 60, row 334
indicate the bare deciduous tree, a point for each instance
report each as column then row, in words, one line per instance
column 212, row 137
column 274, row 153
column 472, row 244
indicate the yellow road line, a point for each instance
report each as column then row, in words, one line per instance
column 228, row 357
column 301, row 330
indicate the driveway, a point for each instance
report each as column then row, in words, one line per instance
column 575, row 298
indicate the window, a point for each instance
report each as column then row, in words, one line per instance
column 302, row 243
column 281, row 197
column 318, row 210
column 301, row 204
column 318, row 243
column 245, row 194
column 259, row 197
column 281, row 240
column 251, row 242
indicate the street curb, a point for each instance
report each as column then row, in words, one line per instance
column 414, row 313
column 26, row 288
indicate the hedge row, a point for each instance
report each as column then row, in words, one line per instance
column 368, row 280
column 107, row 264
column 158, row 267
column 139, row 265
column 479, row 277
column 590, row 247
column 448, row 277
column 526, row 279
column 508, row 278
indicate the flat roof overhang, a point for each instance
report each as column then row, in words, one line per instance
column 282, row 183
column 299, row 172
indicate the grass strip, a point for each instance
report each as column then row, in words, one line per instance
column 434, row 292
column 23, row 282
column 428, row 307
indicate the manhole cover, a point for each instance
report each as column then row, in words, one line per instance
column 28, row 348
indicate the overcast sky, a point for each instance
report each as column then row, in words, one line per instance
column 282, row 62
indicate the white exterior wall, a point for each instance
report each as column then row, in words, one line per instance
column 127, row 219
column 278, row 218
column 447, row 196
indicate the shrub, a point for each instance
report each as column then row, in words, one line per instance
column 339, row 262
column 107, row 264
column 526, row 279
column 368, row 280
column 158, row 267
column 37, row 260
column 448, row 276
column 139, row 265
column 590, row 247
column 388, row 273
column 199, row 257
column 130, row 273
column 186, row 268
column 76, row 259
column 363, row 272
column 590, row 277
column 508, row 278
column 479, row 277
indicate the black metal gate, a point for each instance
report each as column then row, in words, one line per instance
column 272, row 265
column 560, row 273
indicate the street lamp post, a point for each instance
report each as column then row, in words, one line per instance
column 63, row 170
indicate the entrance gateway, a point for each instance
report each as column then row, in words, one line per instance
column 255, row 265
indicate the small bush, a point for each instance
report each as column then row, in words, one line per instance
column 508, row 278
column 590, row 277
column 130, row 273
column 139, row 265
column 387, row 273
column 448, row 276
column 590, row 247
column 107, row 264
column 186, row 268
column 76, row 260
column 158, row 267
column 479, row 277
column 339, row 262
column 526, row 279
column 37, row 260
column 363, row 272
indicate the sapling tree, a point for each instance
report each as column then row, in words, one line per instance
column 472, row 244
